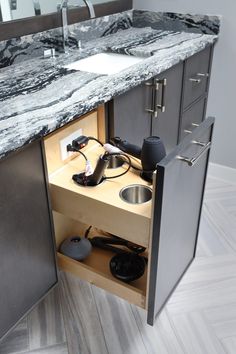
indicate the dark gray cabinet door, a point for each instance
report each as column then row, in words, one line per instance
column 27, row 253
column 128, row 116
column 179, row 189
column 166, row 124
column 135, row 114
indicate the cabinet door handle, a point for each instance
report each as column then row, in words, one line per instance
column 161, row 83
column 195, row 80
column 149, row 84
column 157, row 106
column 152, row 86
column 188, row 131
column 191, row 162
column 203, row 75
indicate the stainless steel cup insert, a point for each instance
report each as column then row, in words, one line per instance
column 115, row 162
column 136, row 194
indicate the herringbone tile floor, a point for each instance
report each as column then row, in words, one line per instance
column 200, row 317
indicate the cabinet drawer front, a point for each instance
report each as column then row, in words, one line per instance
column 196, row 76
column 177, row 209
column 191, row 118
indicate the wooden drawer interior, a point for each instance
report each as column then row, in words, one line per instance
column 76, row 207
column 95, row 268
column 101, row 206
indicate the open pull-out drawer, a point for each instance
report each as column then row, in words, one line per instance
column 167, row 225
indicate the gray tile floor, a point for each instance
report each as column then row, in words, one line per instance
column 200, row 317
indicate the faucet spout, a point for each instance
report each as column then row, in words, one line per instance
column 65, row 32
column 90, row 8
column 63, row 7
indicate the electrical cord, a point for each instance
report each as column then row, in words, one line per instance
column 86, row 234
column 129, row 163
column 136, row 168
column 95, row 139
column 140, row 170
column 73, row 149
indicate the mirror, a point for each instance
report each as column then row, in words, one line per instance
column 19, row 9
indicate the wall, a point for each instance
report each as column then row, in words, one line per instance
column 222, row 91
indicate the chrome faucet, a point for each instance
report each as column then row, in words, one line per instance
column 64, row 16
column 90, row 8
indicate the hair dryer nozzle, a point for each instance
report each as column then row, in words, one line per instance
column 153, row 151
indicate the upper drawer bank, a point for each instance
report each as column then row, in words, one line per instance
column 196, row 76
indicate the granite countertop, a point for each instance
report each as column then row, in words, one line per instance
column 38, row 95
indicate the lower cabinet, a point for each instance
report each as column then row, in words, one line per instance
column 166, row 225
column 27, row 254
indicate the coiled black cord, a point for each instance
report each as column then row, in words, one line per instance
column 129, row 163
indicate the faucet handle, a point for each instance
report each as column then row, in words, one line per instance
column 79, row 44
column 74, row 40
column 49, row 53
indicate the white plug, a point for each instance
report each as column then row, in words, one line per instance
column 112, row 149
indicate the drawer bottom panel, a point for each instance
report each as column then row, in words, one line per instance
column 95, row 270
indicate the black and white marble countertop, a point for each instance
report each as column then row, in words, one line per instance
column 38, row 95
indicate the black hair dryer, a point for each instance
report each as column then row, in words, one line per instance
column 152, row 152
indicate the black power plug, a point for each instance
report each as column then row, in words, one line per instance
column 80, row 142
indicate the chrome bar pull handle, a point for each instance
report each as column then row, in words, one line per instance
column 195, row 80
column 191, row 162
column 188, row 131
column 203, row 75
column 151, row 110
column 161, row 83
column 149, row 84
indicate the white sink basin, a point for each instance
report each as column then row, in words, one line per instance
column 104, row 63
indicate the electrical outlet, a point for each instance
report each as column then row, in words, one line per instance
column 66, row 141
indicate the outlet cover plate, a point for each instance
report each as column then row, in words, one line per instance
column 66, row 141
